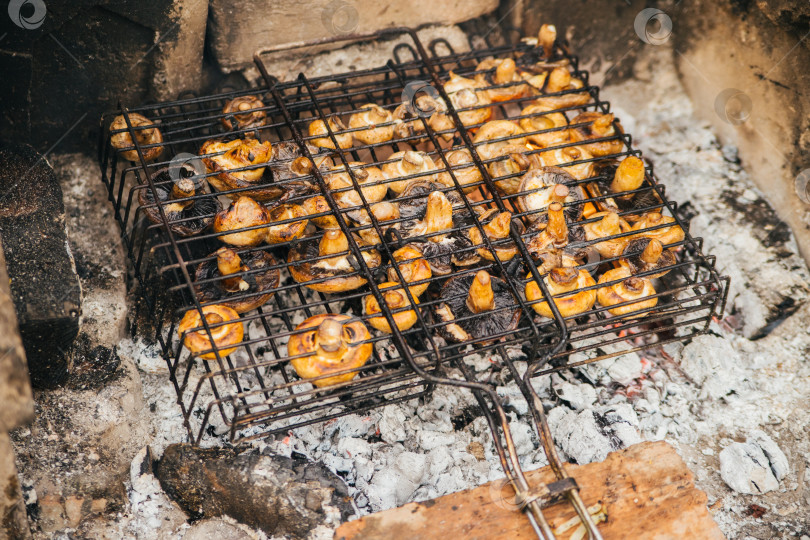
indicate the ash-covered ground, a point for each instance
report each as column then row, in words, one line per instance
column 733, row 402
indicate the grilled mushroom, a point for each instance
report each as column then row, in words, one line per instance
column 369, row 117
column 544, row 185
column 564, row 284
column 397, row 300
column 328, row 261
column 186, row 216
column 539, row 119
column 615, row 178
column 383, row 211
column 598, row 126
column 506, row 170
column 562, row 157
column 647, row 255
column 226, row 334
column 607, row 224
column 464, row 169
column 496, row 226
column 469, row 98
column 510, row 132
column 288, row 161
column 296, row 223
column 329, row 343
column 413, row 267
column 408, row 119
column 321, row 138
column 476, row 308
column 438, row 217
column 408, row 164
column 146, row 132
column 555, row 243
column 559, row 80
column 243, row 213
column 671, row 234
column 628, row 289
column 370, row 179
column 227, row 159
column 504, row 83
column 244, row 112
column 318, row 205
column 240, row 293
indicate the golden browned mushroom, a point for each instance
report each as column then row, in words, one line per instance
column 327, row 260
column 326, row 344
column 383, row 211
column 227, row 159
column 496, row 226
column 545, row 185
column 464, row 169
column 555, row 241
column 469, row 98
column 510, row 132
column 410, row 165
column 630, row 288
column 410, row 118
column 370, row 179
column 647, row 255
column 320, row 135
column 598, row 126
column 396, row 299
column 369, row 118
column 546, row 38
column 607, row 224
column 318, row 205
column 504, row 83
column 438, row 217
column 227, row 335
column 241, row 293
column 187, row 216
column 414, row 269
column 295, row 224
column 146, row 132
column 614, row 179
column 539, row 119
column 669, row 233
column 243, row 213
column 507, row 169
column 244, row 112
column 565, row 158
column 565, row 286
column 560, row 80
column 479, row 307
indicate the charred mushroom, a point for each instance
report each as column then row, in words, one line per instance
column 411, row 166
column 397, row 300
column 368, row 121
column 598, row 126
column 215, row 280
column 320, row 134
column 478, row 307
column 293, row 223
column 326, row 344
column 538, row 119
column 669, row 233
column 326, row 265
column 228, row 159
column 628, row 289
column 555, row 241
column 565, row 158
column 509, row 132
column 411, row 115
column 496, row 226
column 607, row 224
column 289, row 162
column 565, row 286
column 226, row 334
column 244, row 112
column 243, row 213
column 464, row 169
column 647, row 255
column 414, row 269
column 545, row 185
column 146, row 132
column 186, row 214
column 504, row 83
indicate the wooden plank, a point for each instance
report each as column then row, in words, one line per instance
column 646, row 491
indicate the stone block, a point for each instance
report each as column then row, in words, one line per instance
column 14, row 522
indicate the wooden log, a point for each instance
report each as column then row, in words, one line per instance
column 645, row 491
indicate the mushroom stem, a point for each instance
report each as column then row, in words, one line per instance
column 229, row 262
column 330, row 336
column 499, row 226
column 481, row 297
column 633, row 284
column 629, row 175
column 505, row 71
column 542, row 122
column 564, row 278
column 438, row 215
column 652, row 252
column 558, row 80
column 412, row 161
column 557, row 228
column 573, row 152
column 333, row 242
column 301, row 165
column 603, row 124
column 559, row 193
column 521, row 160
column 546, row 38
column 609, row 225
column 182, row 188
column 377, row 114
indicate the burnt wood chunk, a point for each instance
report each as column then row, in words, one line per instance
column 644, row 491
column 42, row 275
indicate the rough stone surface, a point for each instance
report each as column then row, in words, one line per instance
column 283, row 496
column 239, row 28
column 13, row 519
column 44, row 286
column 755, row 466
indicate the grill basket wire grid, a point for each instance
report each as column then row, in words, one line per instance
column 259, row 396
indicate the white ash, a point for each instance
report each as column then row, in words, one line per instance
column 755, row 466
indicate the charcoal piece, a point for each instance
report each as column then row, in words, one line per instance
column 44, row 285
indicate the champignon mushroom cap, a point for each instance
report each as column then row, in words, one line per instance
column 319, row 205
column 317, row 130
column 604, row 225
column 505, row 82
column 671, row 234
column 329, row 343
column 242, row 293
column 146, row 132
column 493, row 130
column 243, row 213
column 538, row 118
column 186, row 215
column 647, row 255
column 413, row 267
column 565, row 158
column 410, row 165
column 370, row 116
column 246, row 111
column 225, row 161
column 324, row 264
column 370, row 179
column 542, row 186
column 464, row 169
column 477, row 307
column 565, row 286
column 296, row 223
column 629, row 288
column 397, row 300
column 226, row 334
column 597, row 126
column 508, row 167
column 469, row 98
